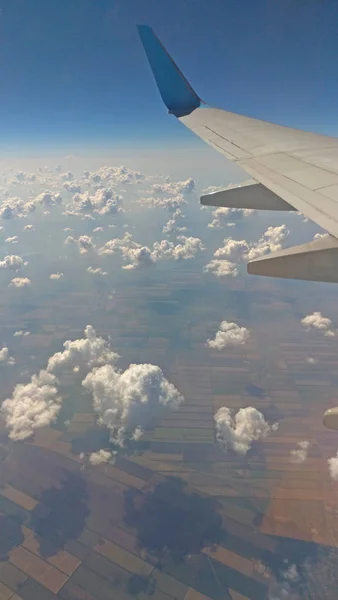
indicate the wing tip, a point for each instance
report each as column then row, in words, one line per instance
column 177, row 94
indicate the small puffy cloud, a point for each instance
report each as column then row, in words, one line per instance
column 48, row 199
column 56, row 276
column 234, row 249
column 28, row 228
column 5, row 358
column 96, row 271
column 20, row 282
column 32, row 405
column 104, row 201
column 85, row 243
column 189, row 247
column 89, row 350
column 299, row 455
column 239, row 431
column 318, row 236
column 70, row 239
column 222, row 268
column 12, row 240
column 97, row 229
column 333, row 467
column 270, row 241
column 113, row 176
column 317, row 321
column 175, row 187
column 129, row 401
column 229, row 334
column 99, row 457
column 138, row 257
column 170, row 204
column 11, row 262
column 21, row 333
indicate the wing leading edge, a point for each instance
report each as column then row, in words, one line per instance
column 292, row 167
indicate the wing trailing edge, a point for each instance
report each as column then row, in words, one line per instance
column 314, row 261
column 253, row 195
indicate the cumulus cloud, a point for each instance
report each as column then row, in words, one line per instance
column 96, row 271
column 129, row 401
column 56, row 276
column 85, row 243
column 28, row 228
column 20, row 282
column 137, row 255
column 239, row 431
column 270, row 241
column 5, row 358
column 113, row 176
column 103, row 201
column 317, row 321
column 173, row 226
column 12, row 240
column 21, row 333
column 222, row 268
column 234, row 249
column 299, row 455
column 174, row 187
column 48, row 199
column 333, row 467
column 170, row 204
column 89, row 350
column 229, row 334
column 99, row 457
column 189, row 247
column 11, row 262
column 32, row 405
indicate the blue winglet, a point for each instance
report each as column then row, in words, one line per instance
column 177, row 94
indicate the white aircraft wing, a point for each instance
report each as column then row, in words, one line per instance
column 291, row 169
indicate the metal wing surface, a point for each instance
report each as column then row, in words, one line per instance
column 298, row 169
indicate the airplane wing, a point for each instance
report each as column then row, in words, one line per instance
column 291, row 169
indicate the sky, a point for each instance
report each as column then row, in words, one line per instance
column 74, row 73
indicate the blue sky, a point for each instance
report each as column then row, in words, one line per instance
column 73, row 72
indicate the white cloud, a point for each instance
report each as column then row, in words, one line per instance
column 239, row 431
column 138, row 257
column 28, row 228
column 229, row 334
column 270, row 241
column 188, row 248
column 70, row 240
column 85, row 243
column 56, row 276
column 90, row 351
column 174, row 187
column 20, row 282
column 113, row 176
column 170, row 204
column 48, row 199
column 21, row 333
column 103, row 201
column 97, row 229
column 299, row 455
column 333, row 467
column 11, row 262
column 5, row 358
column 129, row 401
column 317, row 321
column 222, row 268
column 12, row 240
column 101, row 456
column 32, row 405
column 96, row 271
column 173, row 226
column 234, row 249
